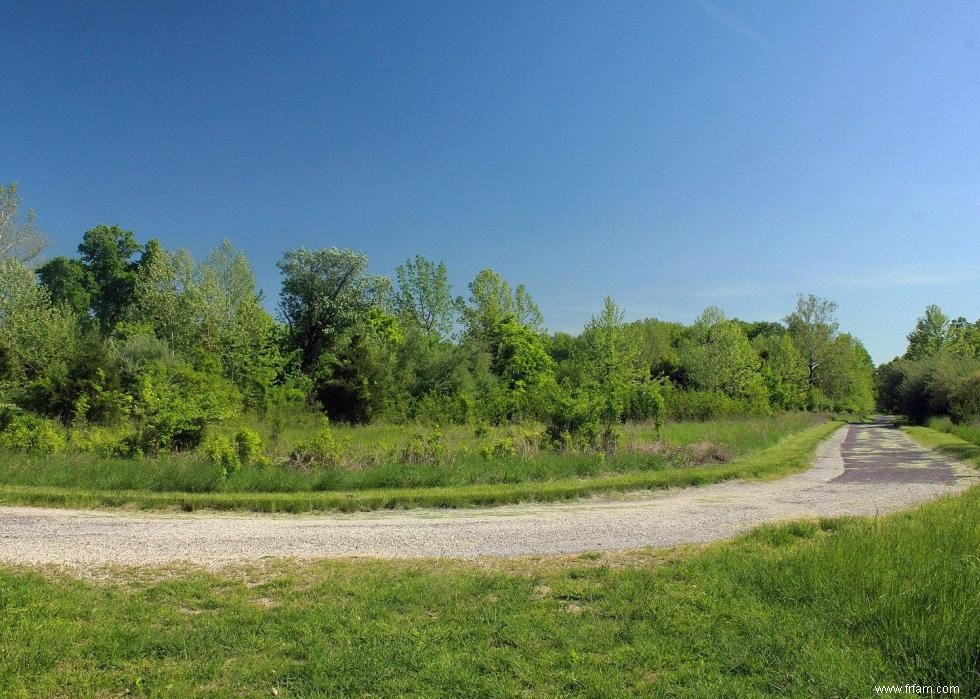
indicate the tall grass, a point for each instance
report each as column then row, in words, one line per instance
column 791, row 454
column 828, row 608
column 967, row 431
column 373, row 460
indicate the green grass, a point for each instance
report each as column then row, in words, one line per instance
column 969, row 431
column 958, row 447
column 786, row 455
column 828, row 608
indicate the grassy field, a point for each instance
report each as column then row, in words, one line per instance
column 762, row 447
column 828, row 608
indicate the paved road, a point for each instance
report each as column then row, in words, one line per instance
column 860, row 470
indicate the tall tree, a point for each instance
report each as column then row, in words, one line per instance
column 612, row 361
column 813, row 328
column 492, row 302
column 325, row 292
column 933, row 331
column 38, row 337
column 425, row 297
column 718, row 357
column 20, row 238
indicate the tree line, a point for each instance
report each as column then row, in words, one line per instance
column 130, row 332
column 939, row 374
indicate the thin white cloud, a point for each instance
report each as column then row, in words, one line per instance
column 733, row 24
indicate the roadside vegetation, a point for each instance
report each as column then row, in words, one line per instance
column 187, row 485
column 938, row 376
column 831, row 608
column 130, row 366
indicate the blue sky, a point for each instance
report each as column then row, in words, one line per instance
column 673, row 155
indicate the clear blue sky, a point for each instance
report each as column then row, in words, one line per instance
column 674, row 155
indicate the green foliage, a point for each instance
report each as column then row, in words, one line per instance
column 425, row 297
column 492, row 302
column 611, row 364
column 425, row 449
column 524, row 368
column 702, row 405
column 69, row 282
column 325, row 293
column 107, row 254
column 130, row 332
column 175, row 405
column 38, row 339
column 646, row 402
column 248, row 445
column 322, row 449
column 784, row 371
column 573, row 421
column 718, row 358
column 32, row 434
column 20, row 238
column 941, row 384
column 221, row 452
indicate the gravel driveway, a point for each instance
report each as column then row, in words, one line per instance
column 860, row 470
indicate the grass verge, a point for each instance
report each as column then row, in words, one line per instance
column 945, row 442
column 828, row 608
column 790, row 455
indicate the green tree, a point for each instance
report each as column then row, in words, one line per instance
column 525, row 368
column 717, row 356
column 784, row 370
column 612, row 364
column 20, row 238
column 38, row 337
column 933, row 331
column 324, row 293
column 813, row 328
column 492, row 302
column 108, row 253
column 425, row 297
column 69, row 282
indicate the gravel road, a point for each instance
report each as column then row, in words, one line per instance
column 860, row 470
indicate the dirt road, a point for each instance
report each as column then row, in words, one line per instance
column 860, row 470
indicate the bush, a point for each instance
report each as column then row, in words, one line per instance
column 99, row 440
column 425, row 449
column 248, row 446
column 965, row 399
column 701, row 405
column 322, row 449
column 572, row 421
column 646, row 402
column 35, row 435
column 220, row 451
column 177, row 403
column 500, row 449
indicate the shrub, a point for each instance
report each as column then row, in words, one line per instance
column 572, row 421
column 99, row 440
column 646, row 402
column 322, row 449
column 425, row 449
column 177, row 403
column 701, row 405
column 965, row 399
column 500, row 449
column 248, row 445
column 35, row 435
column 220, row 451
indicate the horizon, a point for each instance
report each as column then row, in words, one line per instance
column 675, row 157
